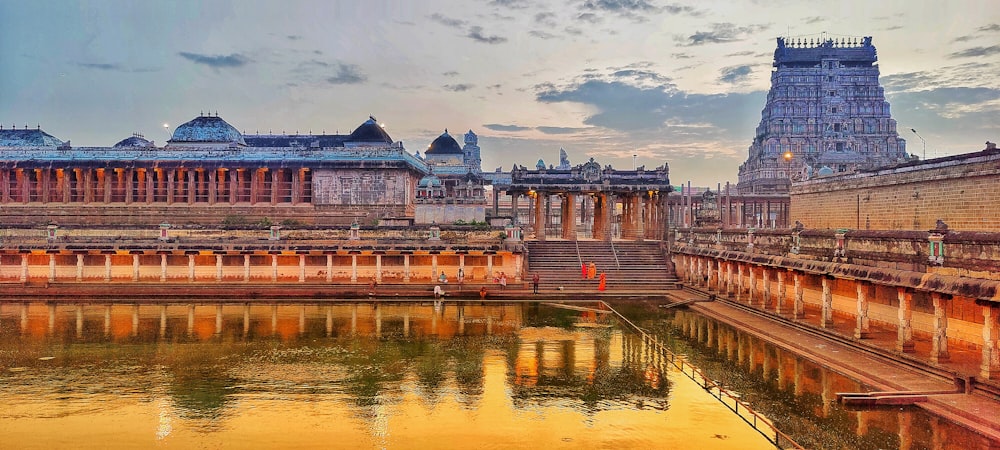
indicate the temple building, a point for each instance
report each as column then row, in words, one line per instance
column 454, row 190
column 825, row 113
column 209, row 173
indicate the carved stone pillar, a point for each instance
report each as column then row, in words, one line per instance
column 861, row 329
column 826, row 317
column 799, row 307
column 904, row 330
column 779, row 302
column 939, row 340
column 990, row 364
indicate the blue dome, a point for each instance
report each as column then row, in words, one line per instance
column 11, row 137
column 444, row 145
column 207, row 129
column 429, row 181
column 370, row 131
column 134, row 141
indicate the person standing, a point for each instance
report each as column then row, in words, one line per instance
column 583, row 270
column 534, row 282
column 603, row 284
column 503, row 281
column 461, row 278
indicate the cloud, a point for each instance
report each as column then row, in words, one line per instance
column 617, row 5
column 541, row 34
column 989, row 28
column 976, row 52
column 347, row 74
column 500, row 127
column 560, row 130
column 476, row 33
column 546, row 18
column 100, row 66
column 813, row 19
column 734, row 74
column 722, row 33
column 447, row 21
column 293, row 37
column 450, row 73
column 512, row 4
column 588, row 17
column 458, row 87
column 574, row 31
column 217, row 61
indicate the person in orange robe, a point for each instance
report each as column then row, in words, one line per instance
column 603, row 284
column 583, row 270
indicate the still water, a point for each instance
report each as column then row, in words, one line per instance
column 342, row 375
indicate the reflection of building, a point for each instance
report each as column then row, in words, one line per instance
column 454, row 190
column 209, row 171
column 825, row 110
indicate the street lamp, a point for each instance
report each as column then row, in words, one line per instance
column 788, row 160
column 921, row 140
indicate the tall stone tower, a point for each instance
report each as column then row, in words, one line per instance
column 825, row 113
column 471, row 151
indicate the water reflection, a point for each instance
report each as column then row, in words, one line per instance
column 357, row 375
column 800, row 396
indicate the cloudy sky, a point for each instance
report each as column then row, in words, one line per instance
column 678, row 82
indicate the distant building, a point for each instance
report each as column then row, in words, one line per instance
column 454, row 190
column 209, row 173
column 825, row 112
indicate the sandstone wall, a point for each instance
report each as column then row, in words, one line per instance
column 961, row 190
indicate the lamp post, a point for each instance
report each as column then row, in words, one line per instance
column 914, row 130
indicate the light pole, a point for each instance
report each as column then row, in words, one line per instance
column 914, row 130
column 788, row 171
column 633, row 161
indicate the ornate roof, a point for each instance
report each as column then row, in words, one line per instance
column 444, row 145
column 134, row 141
column 370, row 131
column 207, row 129
column 429, row 181
column 10, row 137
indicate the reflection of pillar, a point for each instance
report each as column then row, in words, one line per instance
column 246, row 319
column 378, row 321
column 799, row 310
column 904, row 330
column 218, row 319
column 302, row 319
column 827, row 394
column 135, row 319
column 354, row 318
column 461, row 319
column 862, row 429
column 274, row 319
column 905, row 430
column 939, row 340
column 861, row 329
column 406, row 321
column 163, row 321
column 79, row 321
column 329, row 320
column 107, row 320
column 798, row 376
column 826, row 316
column 990, row 364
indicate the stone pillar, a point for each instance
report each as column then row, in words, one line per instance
column 939, row 340
column 246, row 268
column 765, row 280
column 190, row 267
column 107, row 267
column 799, row 307
column 135, row 267
column 329, row 268
column 46, row 176
column 213, row 186
column 989, row 367
column 296, row 186
column 218, row 267
column 753, row 285
column 354, row 268
column 568, row 213
column 276, row 176
column 489, row 266
column 192, row 185
column 274, row 267
column 170, row 185
column 150, row 190
column 378, row 268
column 255, row 178
column 861, row 329
column 406, row 268
column 540, row 215
column 434, row 267
column 739, row 281
column 826, row 317
column 302, row 268
column 129, row 181
column 52, row 267
column 163, row 267
column 513, row 206
column 4, row 186
column 904, row 331
column 779, row 303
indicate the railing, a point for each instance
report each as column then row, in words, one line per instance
column 615, row 253
column 578, row 257
column 761, row 424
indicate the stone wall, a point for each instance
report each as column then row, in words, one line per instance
column 960, row 190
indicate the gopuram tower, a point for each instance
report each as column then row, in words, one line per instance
column 825, row 113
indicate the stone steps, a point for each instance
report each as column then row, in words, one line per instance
column 638, row 266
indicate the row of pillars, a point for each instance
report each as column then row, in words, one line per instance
column 719, row 275
column 246, row 267
column 159, row 185
column 643, row 215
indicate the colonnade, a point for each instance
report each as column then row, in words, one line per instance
column 149, row 185
column 752, row 284
column 263, row 266
column 642, row 214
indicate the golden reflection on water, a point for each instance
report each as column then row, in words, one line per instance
column 311, row 391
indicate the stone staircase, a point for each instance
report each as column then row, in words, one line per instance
column 639, row 266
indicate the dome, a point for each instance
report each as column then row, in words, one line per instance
column 370, row 131
column 134, row 141
column 444, row 145
column 207, row 129
column 429, row 181
column 11, row 137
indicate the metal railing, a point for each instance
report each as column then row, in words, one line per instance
column 761, row 424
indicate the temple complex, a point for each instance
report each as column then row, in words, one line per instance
column 454, row 190
column 825, row 114
column 209, row 173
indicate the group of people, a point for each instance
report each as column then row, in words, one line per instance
column 590, row 272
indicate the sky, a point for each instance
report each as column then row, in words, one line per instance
column 625, row 82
